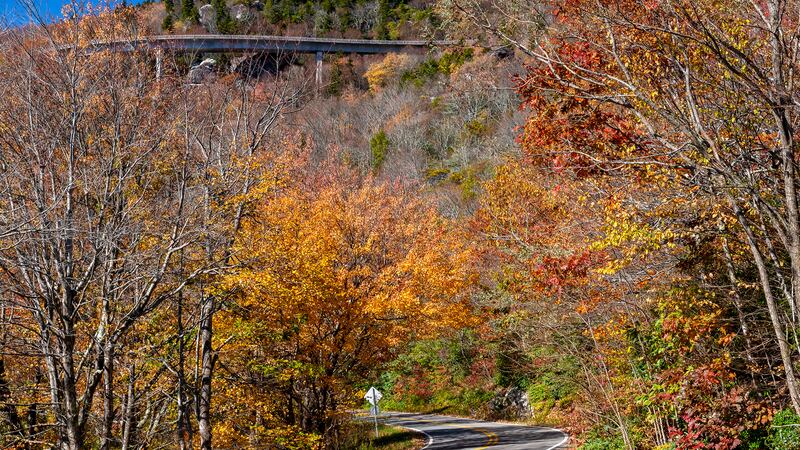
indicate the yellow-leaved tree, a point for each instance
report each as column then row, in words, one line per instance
column 338, row 275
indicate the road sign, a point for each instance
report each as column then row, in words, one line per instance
column 373, row 396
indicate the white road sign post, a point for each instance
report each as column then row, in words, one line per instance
column 373, row 396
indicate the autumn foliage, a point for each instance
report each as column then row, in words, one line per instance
column 191, row 266
column 336, row 277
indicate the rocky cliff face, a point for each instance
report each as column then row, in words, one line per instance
column 512, row 403
column 201, row 71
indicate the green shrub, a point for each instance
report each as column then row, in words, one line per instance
column 345, row 19
column 474, row 399
column 479, row 126
column 452, row 60
column 427, row 70
column 379, row 147
column 598, row 441
column 436, row 173
column 784, row 431
column 541, row 396
column 432, row 67
column 393, row 30
column 273, row 12
column 336, row 82
column 469, row 187
column 384, row 16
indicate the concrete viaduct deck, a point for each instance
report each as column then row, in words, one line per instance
column 213, row 43
column 220, row 43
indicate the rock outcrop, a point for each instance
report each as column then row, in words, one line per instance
column 208, row 17
column 241, row 13
column 199, row 72
column 511, row 403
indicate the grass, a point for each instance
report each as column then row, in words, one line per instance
column 390, row 438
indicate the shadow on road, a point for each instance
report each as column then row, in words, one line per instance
column 459, row 434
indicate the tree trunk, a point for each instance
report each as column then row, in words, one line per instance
column 184, row 428
column 72, row 433
column 207, row 369
column 772, row 307
column 8, row 408
column 108, row 396
column 129, row 411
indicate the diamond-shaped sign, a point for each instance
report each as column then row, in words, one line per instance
column 373, row 396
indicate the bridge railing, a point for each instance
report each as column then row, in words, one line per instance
column 225, row 42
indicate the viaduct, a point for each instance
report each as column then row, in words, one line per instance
column 218, row 43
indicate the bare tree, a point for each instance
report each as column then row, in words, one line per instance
column 119, row 192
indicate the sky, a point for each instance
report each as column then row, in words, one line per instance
column 14, row 12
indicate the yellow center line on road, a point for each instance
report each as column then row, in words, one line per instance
column 492, row 438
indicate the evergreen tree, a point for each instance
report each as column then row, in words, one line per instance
column 384, row 16
column 224, row 21
column 189, row 11
column 379, row 147
column 334, row 87
column 167, row 24
column 169, row 6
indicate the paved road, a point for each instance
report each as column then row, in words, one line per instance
column 452, row 433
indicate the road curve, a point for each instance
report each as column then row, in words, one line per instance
column 454, row 433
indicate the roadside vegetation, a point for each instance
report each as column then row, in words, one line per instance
column 389, row 438
column 585, row 216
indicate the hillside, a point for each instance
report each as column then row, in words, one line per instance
column 581, row 215
column 383, row 19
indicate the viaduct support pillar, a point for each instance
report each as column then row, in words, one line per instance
column 318, row 77
column 159, row 62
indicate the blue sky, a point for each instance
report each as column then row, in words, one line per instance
column 14, row 12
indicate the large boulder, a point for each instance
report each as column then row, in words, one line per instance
column 241, row 13
column 208, row 17
column 511, row 403
column 199, row 72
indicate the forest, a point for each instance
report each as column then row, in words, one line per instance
column 580, row 214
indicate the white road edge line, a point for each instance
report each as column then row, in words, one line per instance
column 566, row 438
column 430, row 438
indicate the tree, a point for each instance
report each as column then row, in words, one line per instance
column 189, row 11
column 390, row 68
column 95, row 212
column 693, row 97
column 384, row 16
column 233, row 143
column 167, row 24
column 223, row 20
column 337, row 279
column 120, row 200
column 336, row 82
column 379, row 147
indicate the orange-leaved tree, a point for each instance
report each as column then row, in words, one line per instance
column 337, row 276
